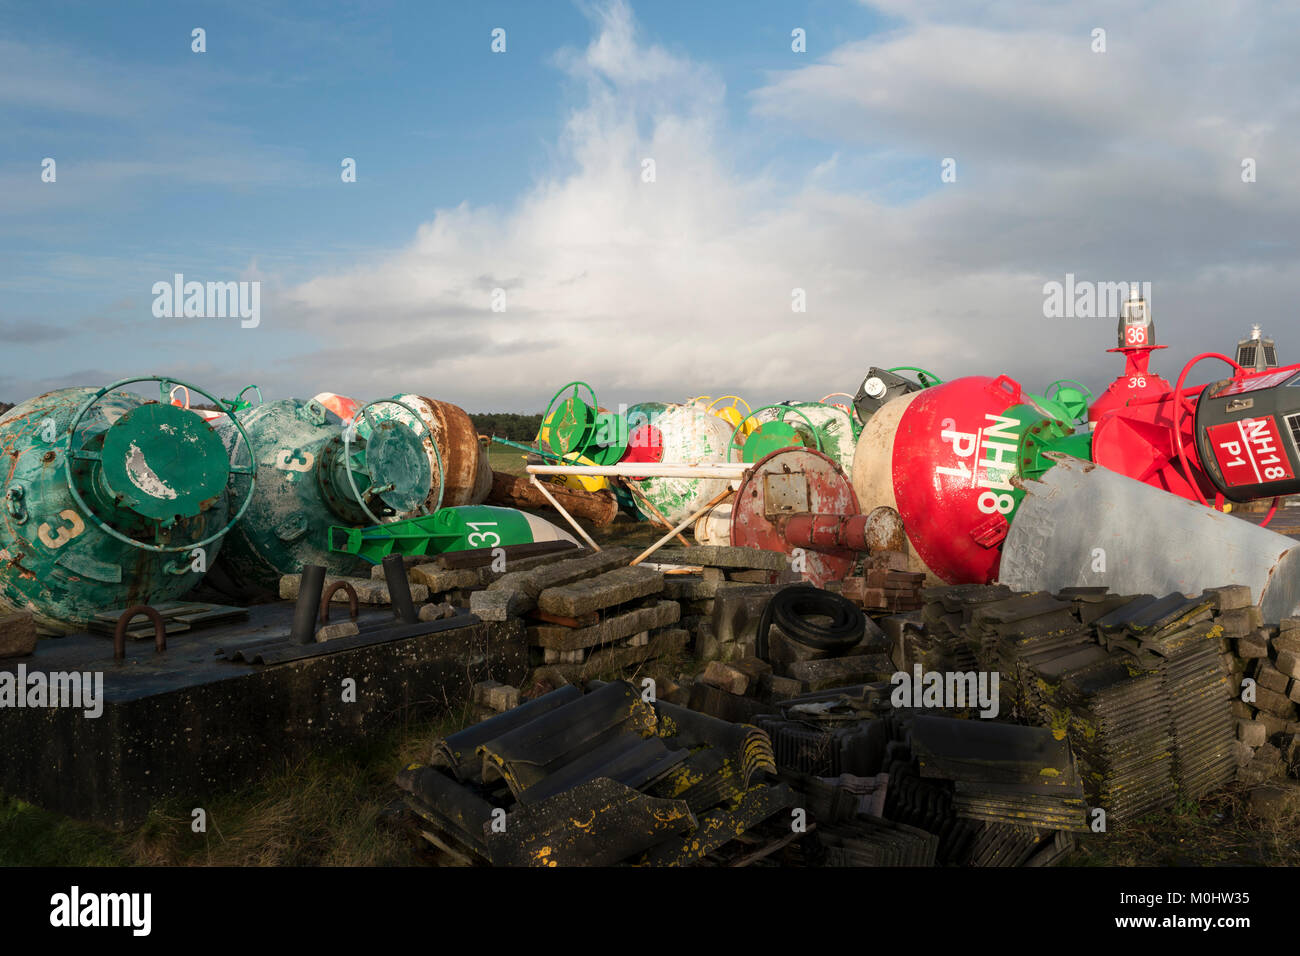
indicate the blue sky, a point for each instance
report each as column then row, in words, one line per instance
column 519, row 171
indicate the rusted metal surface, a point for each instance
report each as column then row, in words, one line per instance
column 130, row 614
column 354, row 606
column 884, row 530
column 805, row 489
column 55, row 558
column 305, row 485
column 467, row 476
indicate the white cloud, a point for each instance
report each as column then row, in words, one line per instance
column 1115, row 166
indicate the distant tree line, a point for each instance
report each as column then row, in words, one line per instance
column 510, row 425
column 5, row 406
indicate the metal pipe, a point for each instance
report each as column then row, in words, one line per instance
column 560, row 508
column 308, row 606
column 822, row 532
column 399, row 589
column 669, row 536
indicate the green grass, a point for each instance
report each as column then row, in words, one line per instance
column 505, row 459
column 323, row 811
column 1218, row 830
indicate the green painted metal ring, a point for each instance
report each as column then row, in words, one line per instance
column 350, row 430
column 595, row 406
column 922, row 373
column 731, row 445
column 126, row 539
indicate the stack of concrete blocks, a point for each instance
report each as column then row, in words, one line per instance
column 1266, row 668
column 589, row 616
column 722, row 603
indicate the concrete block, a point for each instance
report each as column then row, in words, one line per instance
column 1273, row 725
column 1251, row 732
column 736, row 611
column 329, row 632
column 502, row 697
column 1288, row 641
column 731, row 651
column 1243, row 752
column 707, row 647
column 739, row 677
column 776, row 687
column 1237, row 622
column 499, row 605
column 1288, row 662
column 436, row 612
column 606, row 590
column 1264, row 765
column 1279, row 705
column 1252, row 645
column 1274, row 801
column 841, row 671
column 658, row 614
column 1230, row 597
column 436, row 579
column 689, row 587
column 1272, row 678
column 554, row 574
column 750, row 577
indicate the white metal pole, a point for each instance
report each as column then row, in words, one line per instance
column 560, row 508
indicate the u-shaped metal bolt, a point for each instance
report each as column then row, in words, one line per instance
column 354, row 606
column 129, row 615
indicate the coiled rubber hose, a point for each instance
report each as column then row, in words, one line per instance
column 790, row 608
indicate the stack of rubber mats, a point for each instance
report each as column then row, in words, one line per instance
column 1001, row 773
column 1145, row 704
column 945, row 612
column 988, row 794
column 851, row 827
column 1117, row 719
column 593, row 779
column 1179, row 638
column 1013, row 635
column 979, row 788
column 872, row 841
